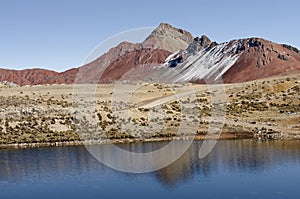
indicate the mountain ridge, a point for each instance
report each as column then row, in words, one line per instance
column 189, row 59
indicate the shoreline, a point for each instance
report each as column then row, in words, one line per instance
column 123, row 141
column 223, row 136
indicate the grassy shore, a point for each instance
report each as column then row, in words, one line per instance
column 50, row 115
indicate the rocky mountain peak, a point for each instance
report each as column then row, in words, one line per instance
column 168, row 38
column 199, row 43
column 166, row 30
column 203, row 41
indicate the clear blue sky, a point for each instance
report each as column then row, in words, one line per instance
column 59, row 34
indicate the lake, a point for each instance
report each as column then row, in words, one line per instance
column 234, row 169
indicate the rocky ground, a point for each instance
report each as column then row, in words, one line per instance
column 261, row 109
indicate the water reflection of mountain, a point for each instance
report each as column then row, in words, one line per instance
column 230, row 156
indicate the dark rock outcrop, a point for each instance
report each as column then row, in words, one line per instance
column 199, row 43
column 282, row 57
column 296, row 50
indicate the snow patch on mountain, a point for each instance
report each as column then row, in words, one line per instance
column 170, row 57
column 206, row 64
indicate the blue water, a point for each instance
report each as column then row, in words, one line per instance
column 234, row 169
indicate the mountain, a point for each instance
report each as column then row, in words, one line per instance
column 163, row 41
column 170, row 54
column 231, row 62
column 259, row 58
column 37, row 76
